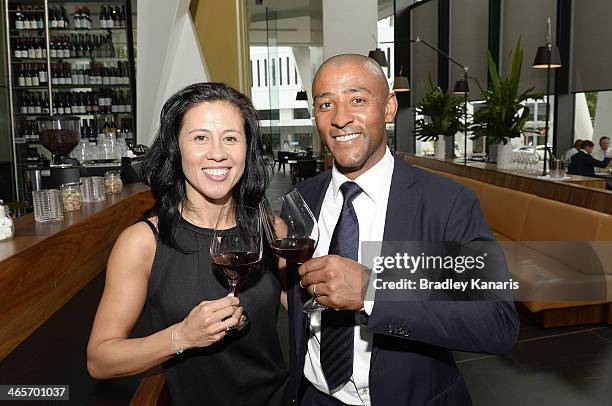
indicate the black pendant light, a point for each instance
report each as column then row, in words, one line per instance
column 379, row 56
column 301, row 95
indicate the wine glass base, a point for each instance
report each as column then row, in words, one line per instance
column 312, row 306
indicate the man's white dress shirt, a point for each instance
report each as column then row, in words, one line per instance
column 371, row 209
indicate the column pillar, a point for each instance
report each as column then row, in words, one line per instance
column 223, row 32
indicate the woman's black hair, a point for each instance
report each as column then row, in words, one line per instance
column 162, row 167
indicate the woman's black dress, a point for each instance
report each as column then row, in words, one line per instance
column 244, row 368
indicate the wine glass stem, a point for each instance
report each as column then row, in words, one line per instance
column 232, row 286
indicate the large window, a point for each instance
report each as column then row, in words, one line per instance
column 268, row 114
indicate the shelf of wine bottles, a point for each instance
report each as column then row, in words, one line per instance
column 75, row 46
column 103, row 101
column 90, row 129
column 74, row 59
column 32, row 17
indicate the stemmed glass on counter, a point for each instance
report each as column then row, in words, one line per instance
column 237, row 245
column 292, row 232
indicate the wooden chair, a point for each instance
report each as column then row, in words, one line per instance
column 152, row 391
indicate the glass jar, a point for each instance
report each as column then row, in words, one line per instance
column 47, row 205
column 112, row 182
column 92, row 189
column 7, row 228
column 71, row 196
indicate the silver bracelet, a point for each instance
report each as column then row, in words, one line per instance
column 178, row 349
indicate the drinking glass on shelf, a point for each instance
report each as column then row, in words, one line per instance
column 236, row 246
column 292, row 232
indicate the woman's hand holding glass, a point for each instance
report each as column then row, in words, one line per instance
column 208, row 322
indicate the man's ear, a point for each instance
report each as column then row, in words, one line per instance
column 391, row 107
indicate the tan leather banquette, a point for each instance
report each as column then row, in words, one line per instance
column 556, row 253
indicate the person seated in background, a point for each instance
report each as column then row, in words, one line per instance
column 572, row 151
column 603, row 150
column 584, row 164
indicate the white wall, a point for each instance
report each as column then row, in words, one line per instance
column 349, row 26
column 583, row 128
column 603, row 116
column 168, row 59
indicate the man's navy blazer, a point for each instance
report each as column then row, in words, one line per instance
column 411, row 362
column 584, row 164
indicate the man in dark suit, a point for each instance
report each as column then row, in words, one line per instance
column 380, row 352
column 584, row 164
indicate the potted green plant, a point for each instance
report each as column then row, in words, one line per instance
column 441, row 114
column 503, row 115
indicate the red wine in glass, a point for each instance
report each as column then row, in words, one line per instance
column 236, row 264
column 236, row 246
column 298, row 250
column 292, row 231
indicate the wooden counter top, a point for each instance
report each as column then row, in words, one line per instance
column 48, row 263
column 577, row 192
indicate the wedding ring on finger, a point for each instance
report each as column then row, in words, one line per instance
column 302, row 286
column 314, row 290
column 226, row 326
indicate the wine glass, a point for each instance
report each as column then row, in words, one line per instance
column 292, row 232
column 236, row 246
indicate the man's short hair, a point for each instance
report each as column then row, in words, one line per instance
column 587, row 144
column 578, row 144
column 603, row 138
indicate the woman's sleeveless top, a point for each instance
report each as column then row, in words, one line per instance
column 246, row 367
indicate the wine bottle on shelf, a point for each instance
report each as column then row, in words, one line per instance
column 54, row 74
column 19, row 19
column 34, row 76
column 67, row 103
column 42, row 74
column 55, row 104
column 88, row 18
column 30, row 107
column 52, row 18
column 122, row 19
column 74, row 75
column 23, row 107
column 45, row 104
column 20, row 77
column 77, row 19
column 26, row 18
column 16, row 49
column 38, row 51
column 103, row 17
column 39, row 21
column 60, row 104
column 74, row 98
column 67, row 76
column 24, row 49
column 114, row 17
column 37, row 104
column 33, row 23
column 28, row 78
column 66, row 48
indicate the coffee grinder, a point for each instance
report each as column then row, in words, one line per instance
column 60, row 135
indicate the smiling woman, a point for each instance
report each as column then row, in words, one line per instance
column 208, row 154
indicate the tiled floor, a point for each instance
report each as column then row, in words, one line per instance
column 565, row 366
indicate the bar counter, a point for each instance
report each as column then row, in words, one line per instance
column 578, row 190
column 46, row 264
